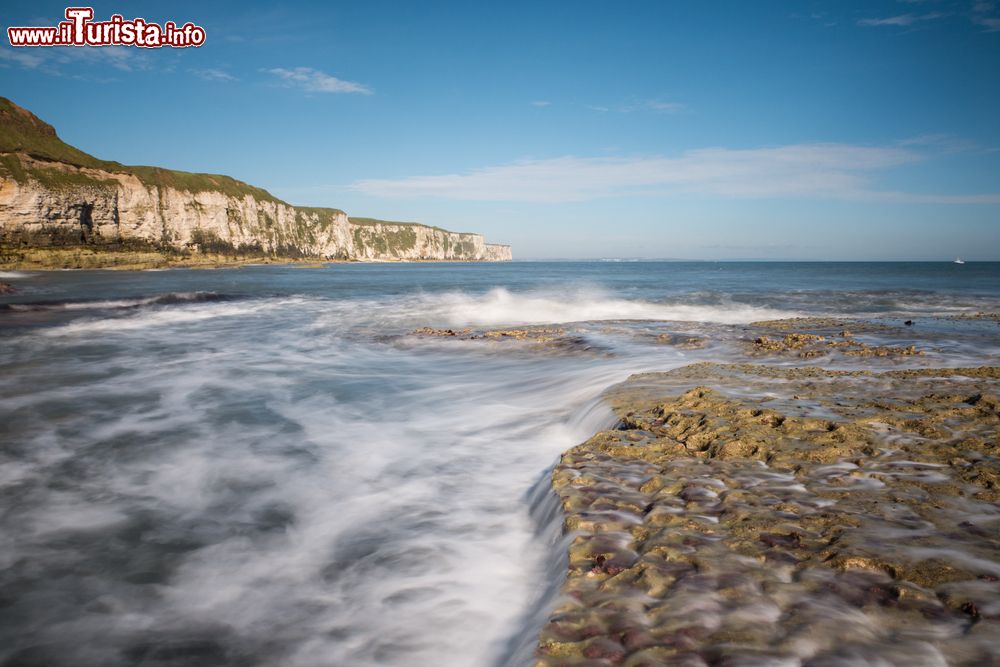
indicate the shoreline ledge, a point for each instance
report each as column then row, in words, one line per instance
column 55, row 258
column 741, row 512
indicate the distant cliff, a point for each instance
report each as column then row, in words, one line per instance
column 52, row 194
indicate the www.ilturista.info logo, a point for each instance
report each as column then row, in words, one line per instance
column 80, row 30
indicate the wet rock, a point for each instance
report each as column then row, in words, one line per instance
column 716, row 528
column 530, row 338
column 605, row 648
column 815, row 338
column 682, row 341
column 429, row 331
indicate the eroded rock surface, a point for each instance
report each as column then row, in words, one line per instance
column 807, row 338
column 746, row 515
column 533, row 338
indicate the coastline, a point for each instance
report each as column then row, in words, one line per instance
column 90, row 257
column 54, row 195
column 774, row 510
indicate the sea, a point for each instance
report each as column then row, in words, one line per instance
column 265, row 465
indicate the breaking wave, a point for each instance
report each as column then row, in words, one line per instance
column 119, row 304
column 501, row 306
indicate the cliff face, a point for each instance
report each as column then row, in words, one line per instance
column 50, row 195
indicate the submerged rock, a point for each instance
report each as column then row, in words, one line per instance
column 682, row 341
column 538, row 338
column 807, row 345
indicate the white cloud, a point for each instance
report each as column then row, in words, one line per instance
column 980, row 11
column 53, row 60
column 664, row 107
column 541, row 103
column 655, row 106
column 315, row 81
column 901, row 20
column 21, row 57
column 124, row 58
column 943, row 143
column 832, row 171
column 213, row 74
column 991, row 24
column 982, row 15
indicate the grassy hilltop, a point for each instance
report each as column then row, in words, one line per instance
column 31, row 151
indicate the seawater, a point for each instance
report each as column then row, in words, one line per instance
column 262, row 466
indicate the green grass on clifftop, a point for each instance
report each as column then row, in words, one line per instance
column 54, row 164
column 23, row 132
column 375, row 221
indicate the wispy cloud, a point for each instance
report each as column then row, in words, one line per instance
column 901, row 20
column 315, row 81
column 76, row 62
column 654, row 106
column 21, row 58
column 943, row 143
column 213, row 74
column 983, row 14
column 991, row 24
column 119, row 57
column 831, row 171
column 541, row 103
column 662, row 107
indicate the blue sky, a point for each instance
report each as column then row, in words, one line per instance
column 773, row 130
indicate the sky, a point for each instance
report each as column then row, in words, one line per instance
column 832, row 130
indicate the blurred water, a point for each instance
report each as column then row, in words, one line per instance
column 258, row 466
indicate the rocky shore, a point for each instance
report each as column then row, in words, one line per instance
column 82, row 257
column 774, row 513
column 144, row 258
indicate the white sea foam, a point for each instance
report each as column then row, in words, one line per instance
column 13, row 275
column 114, row 304
column 270, row 481
column 343, row 503
column 158, row 317
column 501, row 306
column 82, row 305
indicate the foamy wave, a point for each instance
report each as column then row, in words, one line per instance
column 113, row 304
column 500, row 306
column 13, row 275
column 157, row 318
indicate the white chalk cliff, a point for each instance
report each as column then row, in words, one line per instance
column 54, row 194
